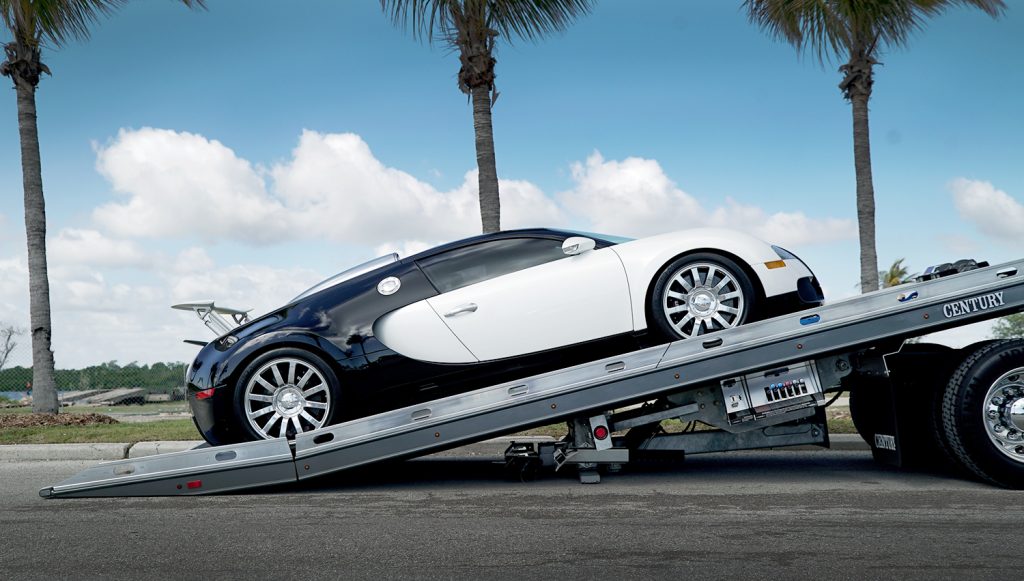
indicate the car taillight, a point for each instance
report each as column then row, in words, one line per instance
column 204, row 394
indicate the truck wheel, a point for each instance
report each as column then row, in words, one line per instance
column 983, row 413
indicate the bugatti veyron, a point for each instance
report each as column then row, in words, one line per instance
column 396, row 332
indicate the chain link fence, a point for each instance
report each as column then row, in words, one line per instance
column 104, row 384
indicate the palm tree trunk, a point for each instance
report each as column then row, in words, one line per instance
column 487, row 179
column 865, row 192
column 44, row 392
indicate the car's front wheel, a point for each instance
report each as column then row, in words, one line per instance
column 699, row 294
column 285, row 392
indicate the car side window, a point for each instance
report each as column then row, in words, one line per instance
column 465, row 266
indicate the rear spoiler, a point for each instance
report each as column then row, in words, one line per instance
column 212, row 315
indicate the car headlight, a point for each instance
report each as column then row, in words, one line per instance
column 784, row 254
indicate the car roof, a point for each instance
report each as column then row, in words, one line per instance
column 502, row 235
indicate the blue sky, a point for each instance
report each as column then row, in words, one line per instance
column 688, row 105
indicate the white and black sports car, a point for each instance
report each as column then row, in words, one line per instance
column 477, row 312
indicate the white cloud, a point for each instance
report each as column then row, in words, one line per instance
column 14, row 291
column 404, row 248
column 634, row 197
column 99, row 319
column 786, row 228
column 90, row 247
column 182, row 183
column 994, row 212
column 258, row 287
column 193, row 259
column 336, row 189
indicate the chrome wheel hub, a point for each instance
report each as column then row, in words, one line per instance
column 703, row 303
column 702, row 297
column 288, row 401
column 1004, row 414
column 285, row 397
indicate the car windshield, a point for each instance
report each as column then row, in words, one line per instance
column 351, row 273
column 605, row 237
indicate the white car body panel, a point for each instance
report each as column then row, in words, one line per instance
column 597, row 294
column 416, row 331
column 571, row 300
column 644, row 259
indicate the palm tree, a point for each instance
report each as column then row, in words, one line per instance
column 31, row 23
column 472, row 27
column 855, row 31
column 896, row 275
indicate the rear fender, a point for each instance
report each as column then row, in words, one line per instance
column 247, row 350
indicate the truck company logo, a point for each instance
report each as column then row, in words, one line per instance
column 885, row 442
column 973, row 304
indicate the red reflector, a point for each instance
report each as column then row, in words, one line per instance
column 205, row 394
column 195, row 484
column 600, row 432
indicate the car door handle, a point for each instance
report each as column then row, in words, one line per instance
column 466, row 308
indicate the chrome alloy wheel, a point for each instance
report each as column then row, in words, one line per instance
column 702, row 297
column 1004, row 414
column 286, row 396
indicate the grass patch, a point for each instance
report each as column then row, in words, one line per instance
column 99, row 433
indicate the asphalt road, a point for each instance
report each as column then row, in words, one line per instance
column 742, row 515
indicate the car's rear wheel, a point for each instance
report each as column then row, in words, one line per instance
column 285, row 392
column 700, row 294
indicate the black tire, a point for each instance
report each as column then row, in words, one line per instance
column 305, row 360
column 967, row 401
column 676, row 325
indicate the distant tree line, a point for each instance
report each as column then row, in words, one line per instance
column 155, row 378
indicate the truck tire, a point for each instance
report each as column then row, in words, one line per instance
column 983, row 413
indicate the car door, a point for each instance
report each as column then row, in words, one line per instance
column 510, row 297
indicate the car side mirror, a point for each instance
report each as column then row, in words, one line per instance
column 577, row 245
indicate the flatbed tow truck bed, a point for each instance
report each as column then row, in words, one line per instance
column 759, row 385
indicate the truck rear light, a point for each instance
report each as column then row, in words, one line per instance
column 600, row 432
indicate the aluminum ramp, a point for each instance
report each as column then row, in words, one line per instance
column 859, row 322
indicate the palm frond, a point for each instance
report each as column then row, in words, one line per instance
column 830, row 29
column 60, row 21
column 528, row 19
column 531, row 19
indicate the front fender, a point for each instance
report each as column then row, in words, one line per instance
column 643, row 259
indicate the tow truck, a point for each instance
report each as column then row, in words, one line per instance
column 762, row 385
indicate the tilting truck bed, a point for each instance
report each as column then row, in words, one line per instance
column 706, row 378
